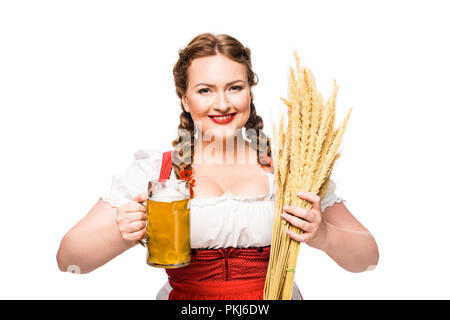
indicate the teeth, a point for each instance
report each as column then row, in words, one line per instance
column 223, row 117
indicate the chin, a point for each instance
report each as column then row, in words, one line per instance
column 221, row 133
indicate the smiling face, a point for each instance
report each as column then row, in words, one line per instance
column 217, row 96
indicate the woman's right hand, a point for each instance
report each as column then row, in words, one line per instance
column 131, row 219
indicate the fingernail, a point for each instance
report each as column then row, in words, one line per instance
column 286, row 207
column 300, row 193
column 284, row 215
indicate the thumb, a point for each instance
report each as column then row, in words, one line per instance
column 140, row 197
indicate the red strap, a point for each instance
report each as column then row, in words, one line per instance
column 166, row 165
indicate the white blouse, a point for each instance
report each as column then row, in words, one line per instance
column 217, row 222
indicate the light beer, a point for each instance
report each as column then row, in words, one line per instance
column 168, row 227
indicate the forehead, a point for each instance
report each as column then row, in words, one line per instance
column 216, row 69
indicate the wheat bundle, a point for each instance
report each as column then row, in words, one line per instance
column 305, row 150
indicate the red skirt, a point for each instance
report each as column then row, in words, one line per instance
column 221, row 274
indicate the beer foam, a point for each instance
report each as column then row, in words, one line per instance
column 173, row 193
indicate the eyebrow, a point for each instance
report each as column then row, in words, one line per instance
column 212, row 85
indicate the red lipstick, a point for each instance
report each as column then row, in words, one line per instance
column 223, row 119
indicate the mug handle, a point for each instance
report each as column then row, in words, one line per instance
column 144, row 203
column 143, row 242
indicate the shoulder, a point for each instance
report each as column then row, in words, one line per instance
column 329, row 198
column 330, row 189
column 146, row 164
column 148, row 153
column 134, row 179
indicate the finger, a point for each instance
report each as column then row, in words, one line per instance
column 141, row 235
column 299, row 212
column 311, row 197
column 136, row 236
column 141, row 197
column 133, row 206
column 136, row 216
column 298, row 237
column 297, row 222
column 134, row 226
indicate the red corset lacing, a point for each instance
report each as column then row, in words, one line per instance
column 221, row 274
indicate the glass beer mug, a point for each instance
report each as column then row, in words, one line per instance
column 168, row 227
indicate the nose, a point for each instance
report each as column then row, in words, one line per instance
column 222, row 104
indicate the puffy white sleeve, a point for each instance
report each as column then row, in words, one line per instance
column 329, row 197
column 125, row 186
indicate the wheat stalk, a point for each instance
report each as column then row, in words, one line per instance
column 305, row 150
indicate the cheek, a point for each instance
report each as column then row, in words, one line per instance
column 198, row 109
column 242, row 102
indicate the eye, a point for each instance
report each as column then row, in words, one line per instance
column 201, row 90
column 239, row 87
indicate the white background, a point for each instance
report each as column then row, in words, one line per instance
column 84, row 84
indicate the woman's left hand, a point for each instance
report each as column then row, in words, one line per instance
column 310, row 221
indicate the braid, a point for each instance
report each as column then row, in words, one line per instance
column 258, row 140
column 184, row 144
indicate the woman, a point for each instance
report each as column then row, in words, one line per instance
column 222, row 150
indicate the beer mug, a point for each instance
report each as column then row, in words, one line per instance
column 168, row 226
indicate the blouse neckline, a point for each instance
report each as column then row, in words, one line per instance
column 228, row 195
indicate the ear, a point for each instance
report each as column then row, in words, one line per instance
column 185, row 104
